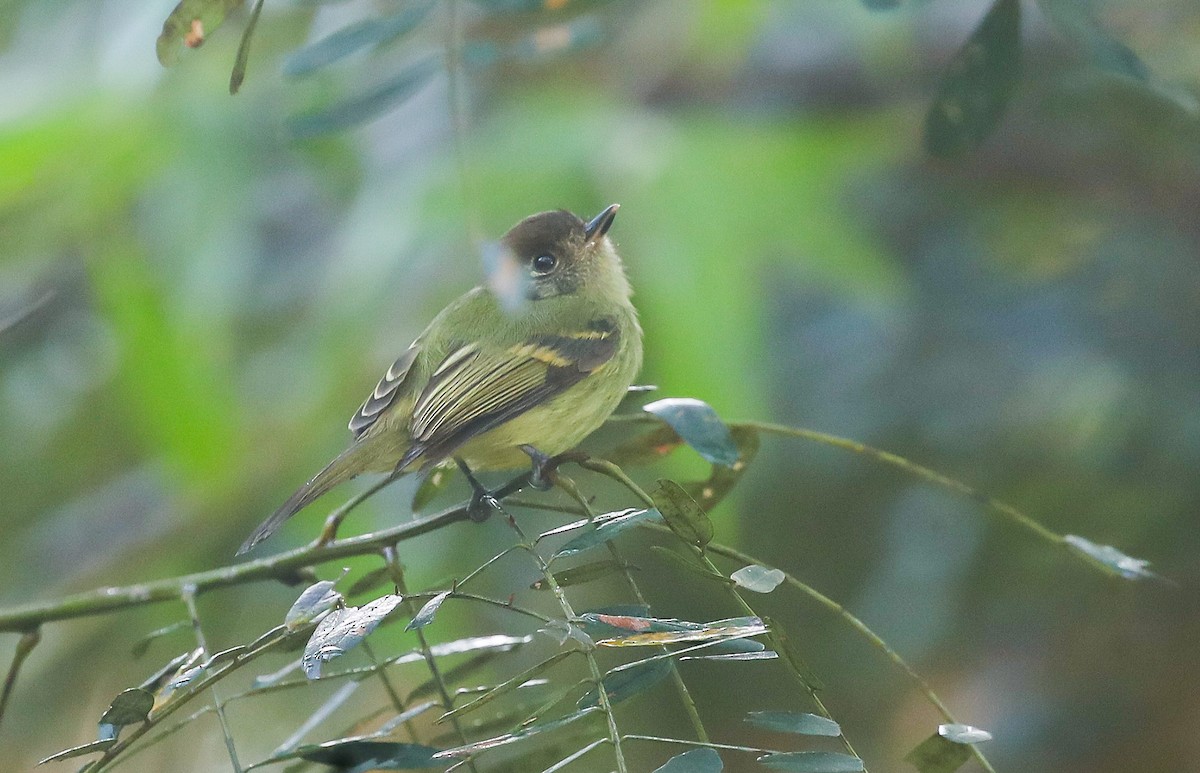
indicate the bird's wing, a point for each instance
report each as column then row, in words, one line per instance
column 478, row 387
column 385, row 392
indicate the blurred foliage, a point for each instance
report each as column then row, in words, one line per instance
column 192, row 301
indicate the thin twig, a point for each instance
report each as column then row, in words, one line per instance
column 614, row 734
column 393, row 694
column 29, row 639
column 189, row 599
column 705, row 744
column 685, row 695
column 183, row 697
column 912, row 468
column 278, row 567
column 615, row 472
column 435, row 672
column 859, row 626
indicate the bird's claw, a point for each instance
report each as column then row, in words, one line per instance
column 542, row 468
column 482, row 505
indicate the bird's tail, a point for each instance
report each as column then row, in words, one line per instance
column 341, row 469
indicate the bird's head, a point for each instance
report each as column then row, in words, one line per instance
column 558, row 254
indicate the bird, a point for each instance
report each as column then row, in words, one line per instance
column 489, row 383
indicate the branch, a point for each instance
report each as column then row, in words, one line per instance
column 278, row 567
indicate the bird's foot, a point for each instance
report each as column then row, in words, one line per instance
column 483, row 500
column 544, row 469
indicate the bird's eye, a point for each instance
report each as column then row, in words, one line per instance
column 544, row 264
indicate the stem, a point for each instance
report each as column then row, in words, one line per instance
column 189, row 599
column 614, row 734
column 278, row 567
column 685, row 695
column 267, row 643
column 29, row 639
column 931, row 476
column 616, row 473
column 858, row 625
column 397, row 571
column 706, row 744
column 390, row 689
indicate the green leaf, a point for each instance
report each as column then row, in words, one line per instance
column 646, row 632
column 368, row 105
column 509, row 685
column 627, row 682
column 368, row 33
column 978, row 84
column 342, row 630
column 606, row 529
column 358, row 756
column 175, row 665
column 759, row 654
column 191, row 669
column 243, row 53
column 619, row 628
column 686, row 518
column 881, row 5
column 794, row 722
column 91, row 747
column 577, row 575
column 425, row 616
column 437, row 480
column 190, row 24
column 757, row 578
column 1110, row 559
column 812, row 762
column 694, row 761
column 689, row 564
column 129, row 708
column 1077, row 20
column 700, row 427
column 316, row 598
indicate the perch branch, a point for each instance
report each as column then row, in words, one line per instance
column 278, row 567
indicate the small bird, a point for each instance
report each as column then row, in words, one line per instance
column 485, row 380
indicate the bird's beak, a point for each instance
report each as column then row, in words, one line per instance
column 600, row 224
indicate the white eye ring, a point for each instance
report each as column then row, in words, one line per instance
column 544, row 263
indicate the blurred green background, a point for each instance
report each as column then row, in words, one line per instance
column 194, row 302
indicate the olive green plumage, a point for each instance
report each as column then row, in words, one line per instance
column 483, row 380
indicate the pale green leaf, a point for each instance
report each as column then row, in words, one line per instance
column 794, row 722
column 425, row 616
column 700, row 427
column 694, row 761
column 812, row 762
column 757, row 578
column 1110, row 559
